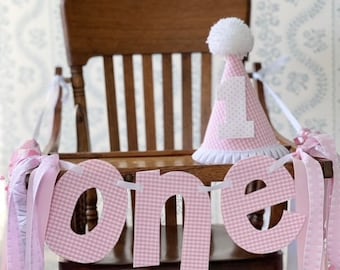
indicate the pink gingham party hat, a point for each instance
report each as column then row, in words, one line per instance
column 238, row 127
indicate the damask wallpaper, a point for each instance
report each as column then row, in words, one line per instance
column 306, row 32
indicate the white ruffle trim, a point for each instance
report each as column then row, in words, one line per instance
column 208, row 156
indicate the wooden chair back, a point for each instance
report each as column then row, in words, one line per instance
column 107, row 28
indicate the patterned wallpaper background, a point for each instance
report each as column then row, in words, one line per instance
column 306, row 32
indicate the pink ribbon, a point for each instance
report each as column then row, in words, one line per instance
column 28, row 209
column 309, row 189
column 319, row 241
column 23, row 161
column 39, row 197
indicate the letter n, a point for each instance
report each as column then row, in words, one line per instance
column 197, row 224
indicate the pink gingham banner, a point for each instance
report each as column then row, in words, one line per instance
column 96, row 244
column 197, row 225
column 236, row 205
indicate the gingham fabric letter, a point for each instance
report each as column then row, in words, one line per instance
column 236, row 205
column 94, row 245
column 149, row 202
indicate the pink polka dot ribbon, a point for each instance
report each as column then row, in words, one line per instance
column 319, row 200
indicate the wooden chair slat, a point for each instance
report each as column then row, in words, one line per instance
column 170, row 205
column 111, row 103
column 168, row 102
column 187, row 101
column 206, row 92
column 149, row 103
column 130, row 103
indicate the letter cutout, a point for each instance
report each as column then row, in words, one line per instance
column 236, row 205
column 96, row 244
column 233, row 93
column 197, row 223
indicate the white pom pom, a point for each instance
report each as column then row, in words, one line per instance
column 230, row 36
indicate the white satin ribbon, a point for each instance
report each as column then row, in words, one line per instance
column 129, row 185
column 51, row 100
column 221, row 185
column 261, row 76
column 281, row 162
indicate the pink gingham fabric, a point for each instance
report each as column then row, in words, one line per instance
column 236, row 205
column 215, row 149
column 197, row 225
column 94, row 245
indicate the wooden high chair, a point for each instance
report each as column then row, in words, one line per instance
column 147, row 27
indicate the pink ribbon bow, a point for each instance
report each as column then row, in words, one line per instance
column 28, row 209
column 319, row 200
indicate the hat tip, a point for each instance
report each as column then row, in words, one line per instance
column 230, row 36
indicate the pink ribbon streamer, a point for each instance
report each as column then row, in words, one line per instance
column 23, row 161
column 29, row 208
column 319, row 241
column 39, row 197
column 309, row 201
